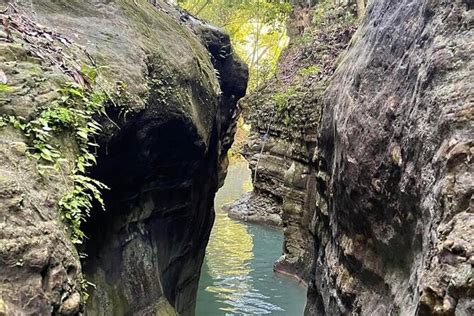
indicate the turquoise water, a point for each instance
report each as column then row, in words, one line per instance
column 237, row 275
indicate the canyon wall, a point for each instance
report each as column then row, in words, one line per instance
column 172, row 84
column 372, row 171
column 284, row 114
column 393, row 215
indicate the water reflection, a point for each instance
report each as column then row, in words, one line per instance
column 237, row 276
column 230, row 237
column 235, row 263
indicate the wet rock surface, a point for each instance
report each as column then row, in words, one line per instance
column 163, row 154
column 256, row 208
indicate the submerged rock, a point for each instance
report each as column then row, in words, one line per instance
column 173, row 83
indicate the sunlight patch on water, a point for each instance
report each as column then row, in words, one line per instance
column 237, row 274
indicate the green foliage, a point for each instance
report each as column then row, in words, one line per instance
column 91, row 73
column 309, row 71
column 74, row 114
column 305, row 38
column 4, row 88
column 328, row 13
column 71, row 115
column 75, row 206
column 282, row 98
column 295, row 106
column 16, row 122
column 283, row 105
column 84, row 289
column 256, row 27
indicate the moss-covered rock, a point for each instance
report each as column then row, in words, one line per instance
column 167, row 125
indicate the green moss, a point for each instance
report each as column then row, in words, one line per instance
column 327, row 13
column 309, row 71
column 285, row 107
column 171, row 41
column 5, row 88
column 12, row 52
column 282, row 99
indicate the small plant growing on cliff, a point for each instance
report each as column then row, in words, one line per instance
column 85, row 289
column 75, row 206
column 309, row 71
column 14, row 121
column 71, row 115
column 74, row 113
column 282, row 105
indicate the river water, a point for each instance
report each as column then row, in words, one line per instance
column 237, row 275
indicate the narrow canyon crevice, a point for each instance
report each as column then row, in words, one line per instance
column 152, row 238
column 360, row 147
column 284, row 114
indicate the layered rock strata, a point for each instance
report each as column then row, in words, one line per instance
column 284, row 115
column 381, row 184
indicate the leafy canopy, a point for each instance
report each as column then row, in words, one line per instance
column 257, row 29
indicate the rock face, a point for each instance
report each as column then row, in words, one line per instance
column 163, row 155
column 393, row 218
column 256, row 208
column 284, row 115
column 376, row 191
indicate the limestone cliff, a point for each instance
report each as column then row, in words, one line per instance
column 393, row 218
column 376, row 195
column 284, row 114
column 172, row 84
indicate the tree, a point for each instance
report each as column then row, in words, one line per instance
column 257, row 29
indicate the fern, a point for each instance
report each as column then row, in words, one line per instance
column 72, row 114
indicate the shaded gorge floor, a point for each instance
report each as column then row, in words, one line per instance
column 237, row 275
